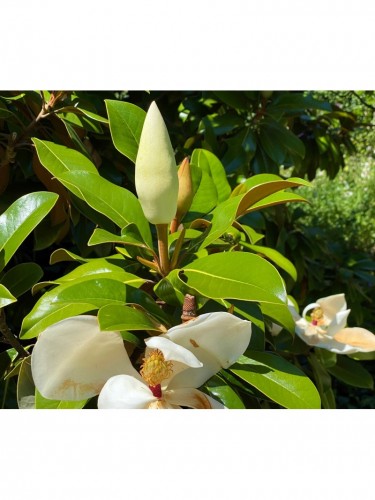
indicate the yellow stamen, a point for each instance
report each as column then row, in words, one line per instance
column 155, row 368
column 317, row 316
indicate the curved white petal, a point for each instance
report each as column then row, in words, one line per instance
column 359, row 339
column 338, row 322
column 73, row 359
column 192, row 398
column 216, row 339
column 221, row 334
column 125, row 392
column 173, row 351
column 332, row 304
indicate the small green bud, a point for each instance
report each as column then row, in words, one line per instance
column 156, row 180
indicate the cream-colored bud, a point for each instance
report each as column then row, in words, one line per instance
column 185, row 191
column 156, row 180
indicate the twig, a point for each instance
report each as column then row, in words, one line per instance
column 9, row 338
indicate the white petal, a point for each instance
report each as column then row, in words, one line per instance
column 338, row 322
column 125, row 392
column 357, row 339
column 216, row 339
column 173, row 351
column 73, row 359
column 192, row 398
column 332, row 305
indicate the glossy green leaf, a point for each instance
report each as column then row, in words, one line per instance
column 45, row 314
column 253, row 194
column 42, row 403
column 21, row 278
column 100, row 236
column 25, row 386
column 275, row 257
column 235, row 275
column 62, row 255
column 205, row 197
column 122, row 317
column 118, row 204
column 352, row 373
column 6, row 297
column 81, row 296
column 276, row 199
column 125, row 123
column 278, row 379
column 209, row 163
column 221, row 391
column 59, row 159
column 96, row 268
column 19, row 220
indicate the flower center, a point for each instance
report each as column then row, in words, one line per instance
column 317, row 316
column 154, row 370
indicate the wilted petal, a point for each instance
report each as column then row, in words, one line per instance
column 216, row 339
column 191, row 398
column 332, row 305
column 73, row 359
column 125, row 392
column 358, row 338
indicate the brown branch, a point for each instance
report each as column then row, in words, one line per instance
column 9, row 338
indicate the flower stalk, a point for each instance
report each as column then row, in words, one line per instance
column 162, row 234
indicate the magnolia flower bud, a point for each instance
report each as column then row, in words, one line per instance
column 156, row 180
column 185, row 191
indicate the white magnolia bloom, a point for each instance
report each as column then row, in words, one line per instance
column 74, row 360
column 324, row 327
column 156, row 179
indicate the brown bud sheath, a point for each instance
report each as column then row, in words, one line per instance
column 185, row 190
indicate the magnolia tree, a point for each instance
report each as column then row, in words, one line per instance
column 189, row 310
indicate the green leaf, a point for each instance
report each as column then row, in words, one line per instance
column 52, row 404
column 78, row 297
column 96, row 268
column 205, row 197
column 122, row 317
column 274, row 256
column 281, row 135
column 20, row 219
column 235, row 275
column 21, row 278
column 209, row 163
column 279, row 380
column 118, row 204
column 6, row 360
column 323, row 382
column 132, row 238
column 25, row 386
column 220, row 390
column 352, row 373
column 6, row 297
column 252, row 195
column 125, row 123
column 59, row 159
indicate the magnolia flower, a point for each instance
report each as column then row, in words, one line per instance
column 324, row 327
column 74, row 360
column 156, row 180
